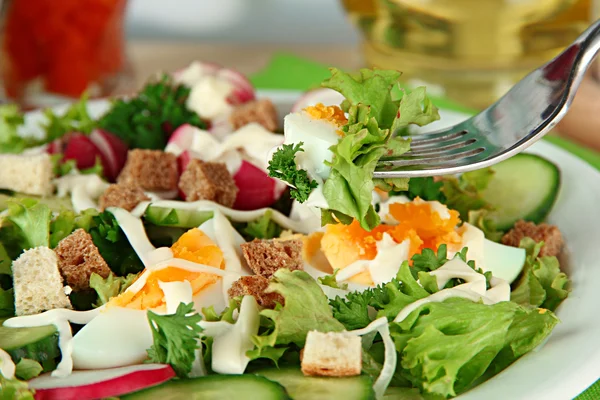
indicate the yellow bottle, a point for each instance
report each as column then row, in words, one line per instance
column 473, row 50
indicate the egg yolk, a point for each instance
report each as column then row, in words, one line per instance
column 418, row 222
column 332, row 114
column 194, row 246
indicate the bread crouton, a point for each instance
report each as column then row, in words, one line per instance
column 331, row 354
column 122, row 195
column 255, row 285
column 553, row 241
column 208, row 181
column 260, row 111
column 37, row 283
column 265, row 257
column 152, row 170
column 78, row 258
column 31, row 174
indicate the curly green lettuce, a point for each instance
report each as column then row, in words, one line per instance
column 376, row 110
column 542, row 283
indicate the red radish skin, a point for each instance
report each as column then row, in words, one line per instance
column 256, row 188
column 116, row 382
column 81, row 149
column 117, row 146
column 183, row 137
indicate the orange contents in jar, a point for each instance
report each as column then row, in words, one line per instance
column 67, row 44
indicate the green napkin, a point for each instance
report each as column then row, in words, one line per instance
column 290, row 72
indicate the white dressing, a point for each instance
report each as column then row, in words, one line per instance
column 229, row 348
column 175, row 293
column 235, row 215
column 133, row 228
column 474, row 289
column 384, row 266
column 84, row 189
column 7, row 366
column 391, row 358
column 60, row 318
column 208, row 97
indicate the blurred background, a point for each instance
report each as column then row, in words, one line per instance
column 466, row 51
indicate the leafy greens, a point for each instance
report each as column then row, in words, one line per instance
column 175, row 338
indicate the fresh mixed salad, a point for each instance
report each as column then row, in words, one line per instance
column 180, row 242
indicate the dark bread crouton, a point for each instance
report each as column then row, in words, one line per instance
column 152, row 170
column 553, row 241
column 255, row 285
column 78, row 258
column 208, row 181
column 122, row 195
column 265, row 257
column 260, row 111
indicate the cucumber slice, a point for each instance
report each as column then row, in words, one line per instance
column 166, row 216
column 523, row 187
column 37, row 343
column 302, row 387
column 218, row 387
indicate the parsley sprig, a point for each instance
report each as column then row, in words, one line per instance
column 176, row 338
column 283, row 166
column 147, row 120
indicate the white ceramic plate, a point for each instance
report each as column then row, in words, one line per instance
column 569, row 362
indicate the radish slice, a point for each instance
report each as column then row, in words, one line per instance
column 81, row 149
column 221, row 127
column 328, row 97
column 256, row 188
column 54, row 147
column 109, row 158
column 115, row 146
column 99, row 384
column 181, row 140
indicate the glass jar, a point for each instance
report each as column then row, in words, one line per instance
column 473, row 50
column 56, row 50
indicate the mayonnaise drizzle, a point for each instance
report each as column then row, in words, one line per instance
column 60, row 318
column 84, row 189
column 391, row 358
column 7, row 366
column 236, row 215
column 474, row 289
column 384, row 266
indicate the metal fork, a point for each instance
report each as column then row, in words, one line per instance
column 528, row 111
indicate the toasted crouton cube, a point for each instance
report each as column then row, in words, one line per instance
column 265, row 257
column 553, row 241
column 208, row 181
column 331, row 354
column 26, row 173
column 255, row 285
column 152, row 170
column 260, row 111
column 78, row 258
column 122, row 195
column 37, row 283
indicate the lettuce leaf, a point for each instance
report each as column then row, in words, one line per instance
column 542, row 284
column 349, row 188
column 11, row 119
column 463, row 193
column 68, row 221
column 7, row 302
column 24, row 226
column 27, row 369
column 14, row 389
column 110, row 287
column 75, row 119
column 376, row 110
column 446, row 347
column 305, row 309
